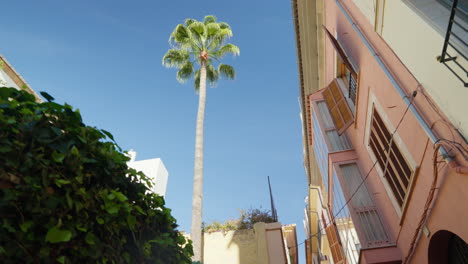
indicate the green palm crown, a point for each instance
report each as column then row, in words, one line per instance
column 200, row 42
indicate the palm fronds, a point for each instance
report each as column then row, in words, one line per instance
column 192, row 39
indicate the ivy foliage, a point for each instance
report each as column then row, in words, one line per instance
column 67, row 195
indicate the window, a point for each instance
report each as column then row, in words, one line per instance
column 340, row 112
column 345, row 70
column 349, row 78
column 337, row 142
column 366, row 215
column 393, row 164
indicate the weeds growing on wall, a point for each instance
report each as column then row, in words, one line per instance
column 246, row 220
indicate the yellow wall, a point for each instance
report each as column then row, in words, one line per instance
column 262, row 245
column 418, row 44
column 233, row 247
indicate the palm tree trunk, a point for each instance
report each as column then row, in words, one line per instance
column 197, row 196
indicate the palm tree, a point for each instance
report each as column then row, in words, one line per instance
column 196, row 43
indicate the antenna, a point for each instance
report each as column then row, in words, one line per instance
column 274, row 214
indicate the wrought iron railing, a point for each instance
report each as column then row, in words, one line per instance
column 452, row 61
column 352, row 88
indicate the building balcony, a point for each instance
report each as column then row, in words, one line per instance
column 352, row 220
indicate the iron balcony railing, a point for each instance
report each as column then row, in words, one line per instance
column 352, row 88
column 452, row 61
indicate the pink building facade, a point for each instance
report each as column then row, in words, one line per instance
column 393, row 175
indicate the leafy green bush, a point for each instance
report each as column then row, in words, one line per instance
column 252, row 216
column 67, row 195
column 246, row 220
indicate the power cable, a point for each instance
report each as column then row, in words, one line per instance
column 365, row 178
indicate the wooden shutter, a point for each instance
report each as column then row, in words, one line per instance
column 308, row 251
column 366, row 217
column 338, row 107
column 334, row 242
column 396, row 169
column 340, row 51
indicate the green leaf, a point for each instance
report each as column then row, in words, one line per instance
column 7, row 226
column 120, row 196
column 81, row 228
column 82, row 139
column 108, row 134
column 58, row 157
column 26, row 111
column 126, row 256
column 60, row 182
column 111, row 196
column 198, row 28
column 11, row 121
column 2, row 250
column 47, row 96
column 185, row 72
column 131, row 220
column 61, row 259
column 74, row 151
column 55, row 235
column 26, row 225
column 69, row 200
column 100, row 220
column 90, row 238
column 209, row 19
column 138, row 208
column 44, row 252
column 227, row 71
column 113, row 209
column 4, row 149
column 79, row 179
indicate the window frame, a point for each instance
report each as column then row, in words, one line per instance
column 355, row 210
column 325, row 129
column 342, row 64
column 374, row 104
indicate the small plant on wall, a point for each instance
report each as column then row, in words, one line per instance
column 246, row 220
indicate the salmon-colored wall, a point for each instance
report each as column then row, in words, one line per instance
column 451, row 210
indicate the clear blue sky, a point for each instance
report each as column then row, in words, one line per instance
column 104, row 57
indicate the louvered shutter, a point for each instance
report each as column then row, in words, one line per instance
column 338, row 107
column 334, row 242
column 397, row 171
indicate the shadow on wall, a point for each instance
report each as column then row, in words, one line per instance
column 231, row 247
column 262, row 245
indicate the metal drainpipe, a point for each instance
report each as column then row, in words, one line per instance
column 405, row 98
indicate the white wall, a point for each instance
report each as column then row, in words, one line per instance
column 417, row 43
column 154, row 169
column 6, row 81
column 368, row 9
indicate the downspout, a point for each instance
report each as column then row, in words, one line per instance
column 400, row 91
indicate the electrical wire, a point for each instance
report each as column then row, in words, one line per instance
column 365, row 178
column 430, row 197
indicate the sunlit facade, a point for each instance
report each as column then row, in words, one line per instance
column 384, row 130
